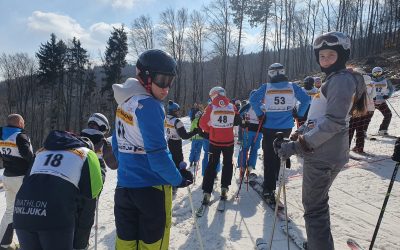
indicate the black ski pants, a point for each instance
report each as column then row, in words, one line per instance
column 359, row 125
column 271, row 160
column 211, row 170
column 84, row 221
column 387, row 115
column 60, row 239
column 175, row 147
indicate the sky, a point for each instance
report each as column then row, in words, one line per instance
column 25, row 24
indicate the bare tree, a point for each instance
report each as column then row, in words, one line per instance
column 173, row 29
column 220, row 27
column 195, row 49
column 142, row 34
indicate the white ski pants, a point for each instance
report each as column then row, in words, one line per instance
column 11, row 187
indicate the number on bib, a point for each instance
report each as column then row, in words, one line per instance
column 223, row 119
column 279, row 100
column 53, row 159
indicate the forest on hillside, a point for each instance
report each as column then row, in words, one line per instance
column 60, row 86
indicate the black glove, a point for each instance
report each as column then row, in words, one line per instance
column 187, row 178
column 396, row 153
column 385, row 97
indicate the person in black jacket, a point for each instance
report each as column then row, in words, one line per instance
column 17, row 155
column 176, row 131
column 45, row 206
column 98, row 126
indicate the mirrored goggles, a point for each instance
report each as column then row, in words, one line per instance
column 275, row 72
column 328, row 40
column 163, row 81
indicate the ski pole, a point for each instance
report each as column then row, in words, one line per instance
column 183, row 165
column 195, row 219
column 393, row 108
column 280, row 181
column 241, row 167
column 384, row 205
column 286, row 214
column 97, row 223
column 281, row 185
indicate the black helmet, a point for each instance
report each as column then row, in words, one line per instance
column 155, row 62
column 308, row 83
column 276, row 73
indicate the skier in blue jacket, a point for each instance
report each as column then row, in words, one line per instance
column 251, row 139
column 273, row 103
column 146, row 171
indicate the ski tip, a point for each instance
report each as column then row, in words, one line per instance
column 353, row 245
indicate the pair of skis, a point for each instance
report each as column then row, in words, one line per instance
column 220, row 207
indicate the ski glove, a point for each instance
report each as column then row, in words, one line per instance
column 187, row 178
column 385, row 97
column 396, row 153
column 288, row 149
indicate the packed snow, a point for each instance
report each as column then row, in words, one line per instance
column 356, row 199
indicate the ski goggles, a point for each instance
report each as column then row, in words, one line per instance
column 376, row 74
column 327, row 40
column 163, row 81
column 275, row 72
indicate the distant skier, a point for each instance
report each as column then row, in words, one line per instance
column 197, row 140
column 317, row 82
column 311, row 92
column 193, row 111
column 273, row 103
column 175, row 131
column 45, row 206
column 146, row 172
column 251, row 134
column 98, row 127
column 323, row 139
column 218, row 120
column 384, row 90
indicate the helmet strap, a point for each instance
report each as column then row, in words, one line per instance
column 148, row 85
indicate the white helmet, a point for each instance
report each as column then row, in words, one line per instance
column 377, row 71
column 100, row 121
column 331, row 39
column 217, row 91
column 276, row 69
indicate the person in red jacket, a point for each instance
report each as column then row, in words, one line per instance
column 218, row 120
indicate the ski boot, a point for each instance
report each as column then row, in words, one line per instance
column 206, row 199
column 224, row 193
column 269, row 197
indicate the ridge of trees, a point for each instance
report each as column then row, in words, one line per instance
column 60, row 87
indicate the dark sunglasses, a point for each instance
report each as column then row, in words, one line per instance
column 163, row 81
